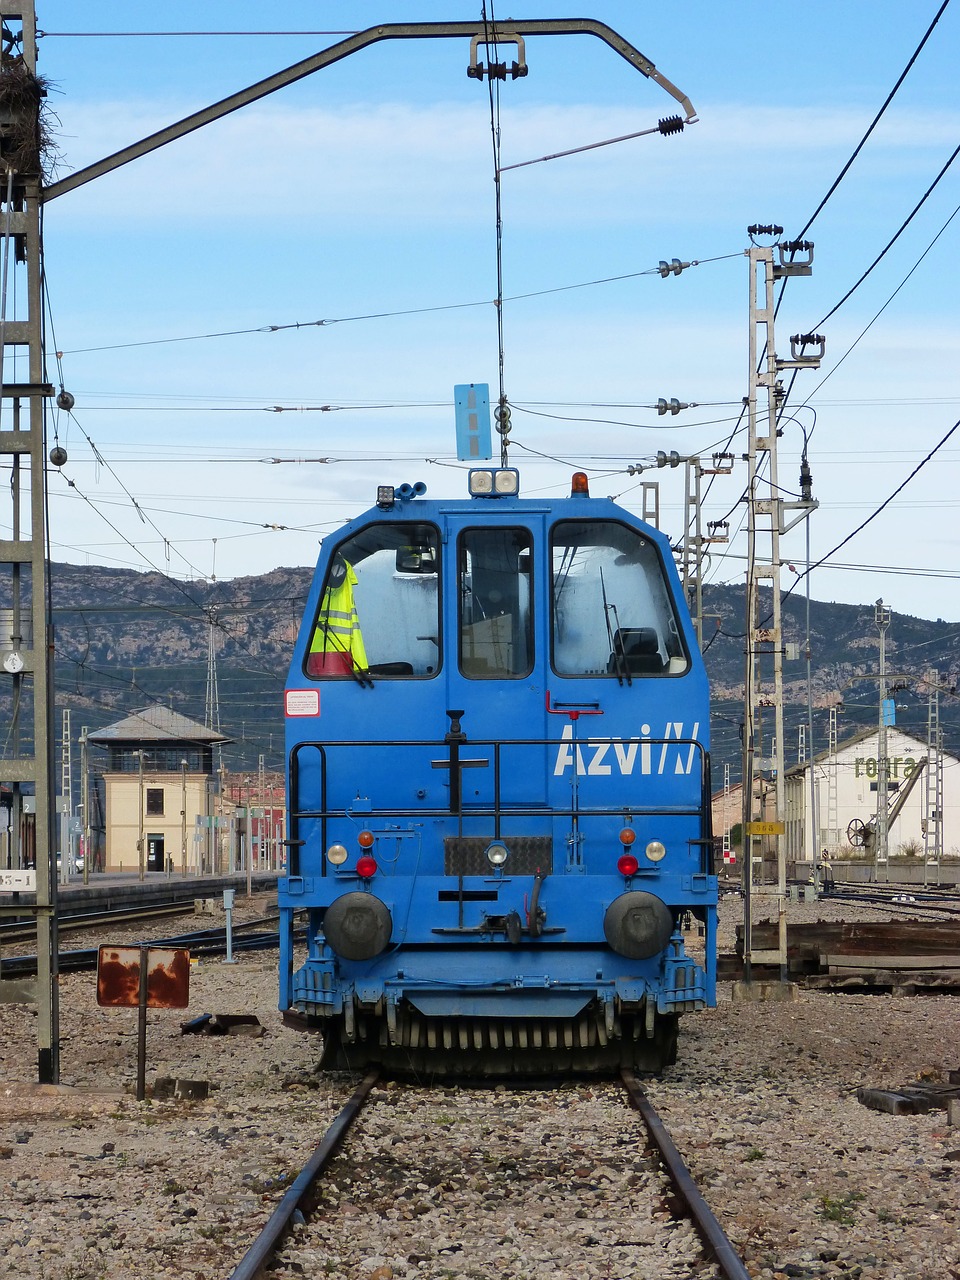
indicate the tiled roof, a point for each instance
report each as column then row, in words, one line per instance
column 157, row 724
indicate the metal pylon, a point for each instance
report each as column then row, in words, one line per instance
column 766, row 522
column 25, row 662
column 833, row 766
column 933, row 782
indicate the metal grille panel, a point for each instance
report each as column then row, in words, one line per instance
column 465, row 855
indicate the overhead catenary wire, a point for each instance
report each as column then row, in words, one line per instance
column 878, row 509
column 873, row 124
column 886, row 304
column 42, row 35
column 389, row 315
column 896, row 236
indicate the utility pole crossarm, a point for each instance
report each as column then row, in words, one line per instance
column 353, row 44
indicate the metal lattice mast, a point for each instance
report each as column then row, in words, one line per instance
column 802, row 744
column 933, row 782
column 882, row 619
column 691, row 565
column 24, row 649
column 727, row 851
column 763, row 677
column 212, row 711
column 833, row 779
column 66, row 796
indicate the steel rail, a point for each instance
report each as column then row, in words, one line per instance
column 17, row 931
column 921, row 901
column 257, row 1257
column 208, row 942
column 708, row 1228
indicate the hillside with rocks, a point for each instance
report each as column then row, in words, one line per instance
column 124, row 639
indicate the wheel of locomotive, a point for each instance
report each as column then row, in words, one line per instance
column 652, row 1054
column 331, row 1051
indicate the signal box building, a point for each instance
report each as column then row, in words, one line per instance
column 159, row 779
column 923, row 800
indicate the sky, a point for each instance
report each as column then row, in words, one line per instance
column 367, row 190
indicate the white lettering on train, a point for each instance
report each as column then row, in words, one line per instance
column 676, row 753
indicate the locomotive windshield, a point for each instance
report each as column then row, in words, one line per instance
column 612, row 608
column 496, row 613
column 380, row 606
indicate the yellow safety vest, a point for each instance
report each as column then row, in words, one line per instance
column 338, row 626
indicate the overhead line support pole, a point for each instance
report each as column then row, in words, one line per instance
column 353, row 44
column 764, row 646
column 26, row 651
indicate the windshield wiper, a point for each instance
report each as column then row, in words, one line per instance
column 619, row 658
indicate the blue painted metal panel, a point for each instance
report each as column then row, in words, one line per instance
column 472, row 408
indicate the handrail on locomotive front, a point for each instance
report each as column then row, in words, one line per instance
column 495, row 811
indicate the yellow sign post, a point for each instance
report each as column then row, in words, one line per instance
column 765, row 828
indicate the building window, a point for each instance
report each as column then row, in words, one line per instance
column 155, row 801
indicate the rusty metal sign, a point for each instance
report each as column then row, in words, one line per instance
column 118, row 977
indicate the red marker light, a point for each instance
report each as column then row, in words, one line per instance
column 367, row 867
column 627, row 864
column 628, row 835
column 365, row 839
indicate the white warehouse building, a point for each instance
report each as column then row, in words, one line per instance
column 846, row 790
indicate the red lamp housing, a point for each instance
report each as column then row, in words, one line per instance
column 627, row 864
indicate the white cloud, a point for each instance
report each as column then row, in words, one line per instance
column 391, row 163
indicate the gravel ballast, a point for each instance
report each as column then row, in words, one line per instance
column 762, row 1104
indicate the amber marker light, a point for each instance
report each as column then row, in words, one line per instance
column 365, row 839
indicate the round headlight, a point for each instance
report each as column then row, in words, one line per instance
column 337, row 854
column 655, row 851
column 497, row 854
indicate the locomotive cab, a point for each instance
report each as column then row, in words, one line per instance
column 499, row 799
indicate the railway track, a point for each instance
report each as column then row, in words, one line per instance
column 901, row 899
column 14, row 931
column 491, row 1190
column 200, row 942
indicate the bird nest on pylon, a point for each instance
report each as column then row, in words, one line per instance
column 26, row 136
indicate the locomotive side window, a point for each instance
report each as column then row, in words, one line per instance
column 613, row 614
column 496, row 609
column 380, row 606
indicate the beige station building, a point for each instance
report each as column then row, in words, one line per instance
column 160, row 787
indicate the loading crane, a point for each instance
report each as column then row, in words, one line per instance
column 863, row 835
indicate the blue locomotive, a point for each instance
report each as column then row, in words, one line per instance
column 498, row 789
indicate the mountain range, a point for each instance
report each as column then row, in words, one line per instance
column 125, row 639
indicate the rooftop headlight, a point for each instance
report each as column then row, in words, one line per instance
column 655, row 851
column 502, row 482
column 497, row 854
column 506, row 483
